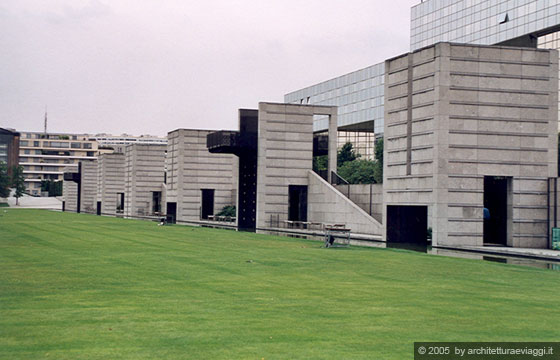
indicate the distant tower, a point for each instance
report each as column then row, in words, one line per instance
column 45, row 120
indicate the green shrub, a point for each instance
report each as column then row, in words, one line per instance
column 228, row 210
column 358, row 171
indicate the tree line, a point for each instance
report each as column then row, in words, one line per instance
column 16, row 181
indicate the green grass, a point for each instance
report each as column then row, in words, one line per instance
column 85, row 287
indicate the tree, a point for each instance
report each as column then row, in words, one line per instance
column 228, row 210
column 45, row 185
column 378, row 169
column 18, row 182
column 4, row 181
column 54, row 188
column 57, row 188
column 320, row 163
column 359, row 171
column 346, row 154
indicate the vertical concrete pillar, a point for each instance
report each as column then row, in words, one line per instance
column 333, row 142
column 442, row 83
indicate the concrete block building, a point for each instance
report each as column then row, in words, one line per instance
column 89, row 186
column 471, row 138
column 79, row 188
column 275, row 146
column 285, row 157
column 144, row 180
column 70, row 189
column 199, row 183
column 110, row 184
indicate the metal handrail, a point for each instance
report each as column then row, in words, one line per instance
column 339, row 180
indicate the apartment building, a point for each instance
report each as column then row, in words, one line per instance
column 117, row 143
column 45, row 155
column 9, row 148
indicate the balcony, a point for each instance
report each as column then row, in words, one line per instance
column 225, row 142
column 72, row 176
column 231, row 142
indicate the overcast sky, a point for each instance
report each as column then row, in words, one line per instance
column 152, row 66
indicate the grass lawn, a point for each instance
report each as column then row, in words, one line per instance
column 86, row 287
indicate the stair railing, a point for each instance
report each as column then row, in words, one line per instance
column 339, row 180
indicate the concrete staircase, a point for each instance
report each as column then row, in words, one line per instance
column 328, row 205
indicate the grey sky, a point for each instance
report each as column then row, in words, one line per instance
column 138, row 67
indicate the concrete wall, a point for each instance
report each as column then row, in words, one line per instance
column 70, row 191
column 285, row 155
column 328, row 205
column 110, row 181
column 456, row 113
column 89, row 187
column 144, row 174
column 369, row 197
column 191, row 167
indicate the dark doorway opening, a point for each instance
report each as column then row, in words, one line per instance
column 156, row 202
column 171, row 216
column 99, row 208
column 207, row 208
column 407, row 224
column 120, row 203
column 297, row 203
column 496, row 210
column 64, row 206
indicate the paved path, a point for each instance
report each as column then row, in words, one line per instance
column 31, row 202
